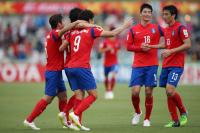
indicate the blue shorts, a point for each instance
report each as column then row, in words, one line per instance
column 113, row 68
column 80, row 78
column 54, row 83
column 170, row 75
column 146, row 76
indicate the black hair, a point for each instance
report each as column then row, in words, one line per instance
column 86, row 15
column 74, row 14
column 172, row 9
column 146, row 5
column 54, row 20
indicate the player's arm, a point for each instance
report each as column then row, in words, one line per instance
column 185, row 37
column 118, row 30
column 186, row 45
column 86, row 25
column 131, row 46
column 105, row 49
column 64, row 45
column 68, row 27
column 161, row 44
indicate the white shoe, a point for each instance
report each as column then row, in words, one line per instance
column 136, row 118
column 75, row 119
column 74, row 127
column 85, row 128
column 31, row 125
column 109, row 95
column 146, row 123
column 62, row 119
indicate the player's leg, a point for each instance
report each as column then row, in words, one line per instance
column 171, row 105
column 65, row 114
column 113, row 75
column 112, row 79
column 107, row 82
column 50, row 93
column 174, row 77
column 137, row 80
column 86, row 82
column 62, row 100
column 150, row 83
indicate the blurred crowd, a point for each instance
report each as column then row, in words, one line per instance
column 22, row 37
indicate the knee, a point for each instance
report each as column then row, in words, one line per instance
column 48, row 99
column 170, row 92
column 135, row 93
column 148, row 92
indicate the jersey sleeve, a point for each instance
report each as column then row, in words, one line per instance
column 54, row 35
column 96, row 32
column 184, row 34
column 129, row 43
column 161, row 30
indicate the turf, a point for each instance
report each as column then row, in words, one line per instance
column 105, row 116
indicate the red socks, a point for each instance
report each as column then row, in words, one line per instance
column 136, row 103
column 85, row 103
column 39, row 108
column 106, row 82
column 172, row 108
column 62, row 104
column 76, row 104
column 148, row 106
column 178, row 101
column 112, row 83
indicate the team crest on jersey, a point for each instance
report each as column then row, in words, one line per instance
column 153, row 30
column 173, row 33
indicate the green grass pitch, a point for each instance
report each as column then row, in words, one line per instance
column 105, row 116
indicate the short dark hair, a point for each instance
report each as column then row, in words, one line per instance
column 172, row 9
column 146, row 5
column 54, row 20
column 74, row 14
column 86, row 15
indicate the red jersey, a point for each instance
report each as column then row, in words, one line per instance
column 81, row 42
column 111, row 55
column 55, row 58
column 66, row 37
column 139, row 34
column 174, row 36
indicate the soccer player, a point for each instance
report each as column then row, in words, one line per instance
column 110, row 47
column 177, row 40
column 145, row 64
column 79, row 71
column 73, row 102
column 53, row 75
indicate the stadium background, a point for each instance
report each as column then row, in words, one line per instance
column 23, row 26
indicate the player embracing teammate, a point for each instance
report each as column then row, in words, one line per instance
column 81, row 79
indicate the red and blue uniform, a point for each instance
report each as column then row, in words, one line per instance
column 145, row 64
column 55, row 63
column 110, row 57
column 79, row 70
column 172, row 66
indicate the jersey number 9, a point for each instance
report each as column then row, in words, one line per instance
column 77, row 41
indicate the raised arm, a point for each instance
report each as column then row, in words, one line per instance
column 117, row 30
column 68, row 27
